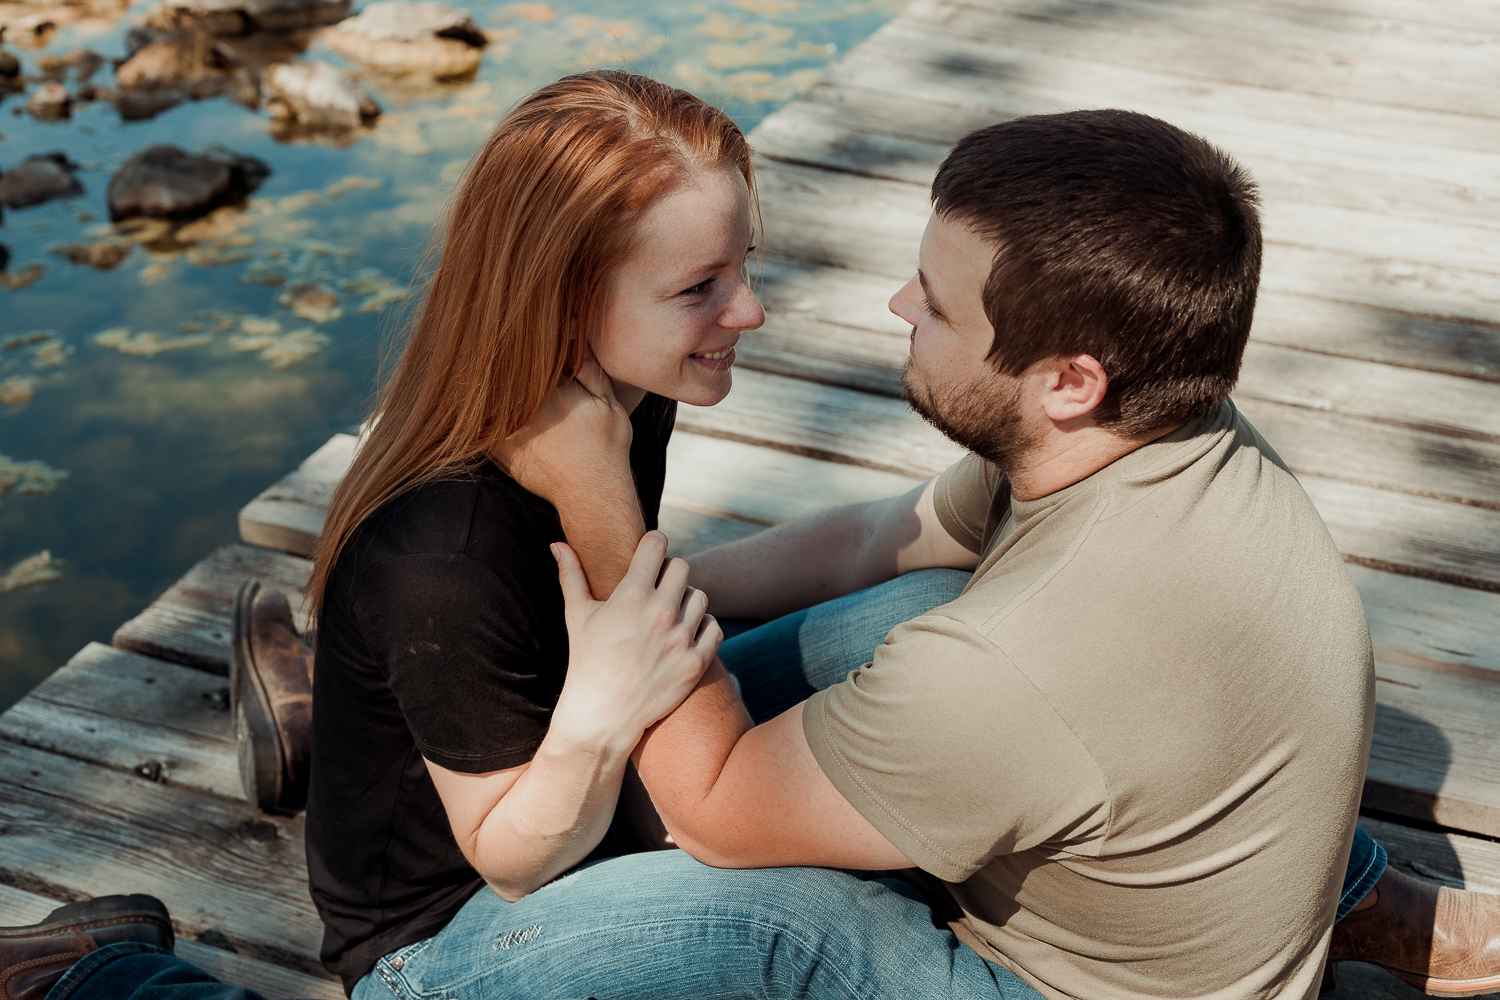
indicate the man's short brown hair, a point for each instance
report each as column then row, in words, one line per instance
column 1117, row 236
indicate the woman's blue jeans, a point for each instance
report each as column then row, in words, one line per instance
column 661, row 925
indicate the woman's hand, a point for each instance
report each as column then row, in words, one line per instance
column 633, row 658
column 580, row 435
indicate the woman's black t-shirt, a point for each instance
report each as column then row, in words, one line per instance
column 441, row 636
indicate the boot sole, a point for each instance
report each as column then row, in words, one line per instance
column 262, row 758
column 99, row 912
column 1431, row 987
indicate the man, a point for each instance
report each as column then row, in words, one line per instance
column 1126, row 758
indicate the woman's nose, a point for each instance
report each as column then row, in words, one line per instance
column 744, row 311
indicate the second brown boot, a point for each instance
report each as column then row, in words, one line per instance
column 270, row 696
column 35, row 957
column 1445, row 942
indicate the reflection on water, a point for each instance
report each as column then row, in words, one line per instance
column 153, row 378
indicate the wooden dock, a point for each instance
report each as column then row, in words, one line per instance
column 1374, row 369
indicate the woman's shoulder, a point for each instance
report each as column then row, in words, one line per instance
column 438, row 517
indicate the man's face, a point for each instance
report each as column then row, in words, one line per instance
column 947, row 377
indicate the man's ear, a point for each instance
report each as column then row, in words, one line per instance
column 1074, row 388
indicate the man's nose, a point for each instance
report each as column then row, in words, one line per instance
column 904, row 302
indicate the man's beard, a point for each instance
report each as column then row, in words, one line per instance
column 982, row 414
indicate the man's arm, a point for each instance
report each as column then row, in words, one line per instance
column 828, row 554
column 737, row 796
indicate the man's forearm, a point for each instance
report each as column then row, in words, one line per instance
column 681, row 758
column 807, row 561
column 603, row 524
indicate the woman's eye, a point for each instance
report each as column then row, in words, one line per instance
column 699, row 288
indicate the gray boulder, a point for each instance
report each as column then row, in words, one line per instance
column 165, row 182
column 237, row 17
column 50, row 101
column 37, row 179
column 410, row 37
column 317, row 96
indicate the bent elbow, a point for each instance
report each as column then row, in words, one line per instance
column 510, row 890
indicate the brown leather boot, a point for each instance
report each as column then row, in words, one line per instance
column 34, row 958
column 270, row 696
column 1445, row 942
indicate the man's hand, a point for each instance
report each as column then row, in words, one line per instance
column 580, row 434
column 575, row 454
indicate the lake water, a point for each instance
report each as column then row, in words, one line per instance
column 160, row 395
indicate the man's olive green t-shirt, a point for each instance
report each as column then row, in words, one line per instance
column 1134, row 746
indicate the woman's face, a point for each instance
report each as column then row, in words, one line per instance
column 677, row 306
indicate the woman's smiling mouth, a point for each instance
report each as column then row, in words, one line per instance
column 717, row 360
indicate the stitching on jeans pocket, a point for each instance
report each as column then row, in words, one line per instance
column 514, row 939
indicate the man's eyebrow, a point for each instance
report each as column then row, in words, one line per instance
column 927, row 291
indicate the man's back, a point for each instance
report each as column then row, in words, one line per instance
column 1136, row 742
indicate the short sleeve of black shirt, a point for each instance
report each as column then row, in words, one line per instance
column 441, row 637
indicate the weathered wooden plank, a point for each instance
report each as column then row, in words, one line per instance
column 1446, row 858
column 765, row 486
column 1436, row 626
column 690, row 531
column 289, row 514
column 888, row 136
column 271, row 981
column 1433, row 755
column 926, row 62
column 72, row 829
column 160, row 721
column 825, row 422
column 1433, row 539
column 1345, row 60
column 1359, row 450
column 190, row 622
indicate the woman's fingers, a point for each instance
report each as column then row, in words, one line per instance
column 646, row 563
column 575, row 585
column 673, row 582
column 694, row 607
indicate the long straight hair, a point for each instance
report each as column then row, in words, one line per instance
column 545, row 214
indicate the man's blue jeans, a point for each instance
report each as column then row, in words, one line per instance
column 662, row 925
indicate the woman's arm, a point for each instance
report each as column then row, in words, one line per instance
column 631, row 660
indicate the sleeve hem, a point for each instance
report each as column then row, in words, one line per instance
column 499, row 760
column 893, row 827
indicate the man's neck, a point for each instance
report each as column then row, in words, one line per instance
column 1063, row 458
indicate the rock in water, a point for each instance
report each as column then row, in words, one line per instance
column 4, row 256
column 9, row 64
column 410, row 36
column 235, row 17
column 167, row 183
column 316, row 95
column 50, row 100
column 39, row 178
column 186, row 59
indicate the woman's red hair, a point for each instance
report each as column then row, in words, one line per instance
column 545, row 214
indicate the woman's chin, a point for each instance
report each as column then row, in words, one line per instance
column 702, row 391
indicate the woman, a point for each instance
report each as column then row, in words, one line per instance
column 455, row 731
